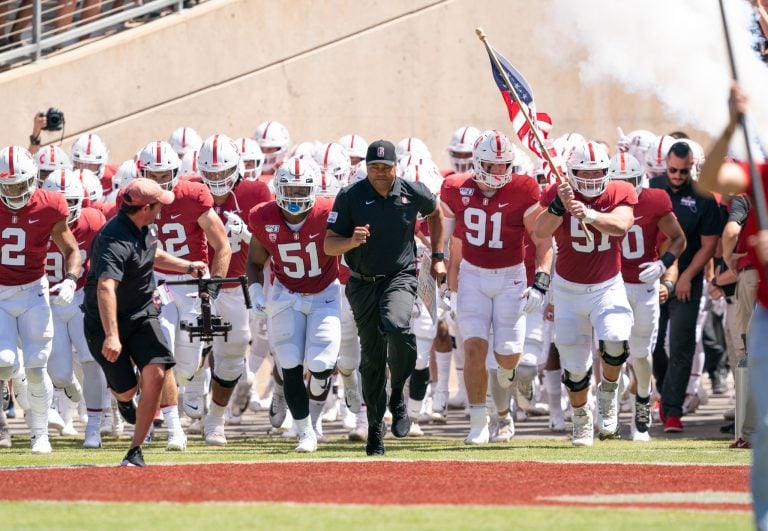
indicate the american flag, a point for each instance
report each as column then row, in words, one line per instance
column 540, row 120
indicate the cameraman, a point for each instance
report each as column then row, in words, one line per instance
column 121, row 323
column 50, row 120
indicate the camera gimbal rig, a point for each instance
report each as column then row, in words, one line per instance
column 208, row 325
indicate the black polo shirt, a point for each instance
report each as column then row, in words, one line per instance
column 698, row 213
column 123, row 252
column 391, row 246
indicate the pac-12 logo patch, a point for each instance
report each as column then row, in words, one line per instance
column 272, row 228
column 332, row 216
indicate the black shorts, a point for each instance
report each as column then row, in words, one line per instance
column 143, row 344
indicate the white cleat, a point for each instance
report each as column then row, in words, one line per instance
column 40, row 443
column 583, row 430
column 608, row 409
column 69, row 429
column 415, row 430
column 213, row 429
column 177, row 442
column 55, row 422
column 194, row 405
column 360, row 431
column 505, row 430
column 353, row 398
column 307, row 441
column 5, row 437
column 479, row 435
column 557, row 421
column 92, row 437
column 195, row 427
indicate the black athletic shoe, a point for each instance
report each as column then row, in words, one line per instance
column 133, row 458
column 401, row 424
column 127, row 411
column 375, row 444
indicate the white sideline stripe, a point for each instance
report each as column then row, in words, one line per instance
column 703, row 497
column 370, row 460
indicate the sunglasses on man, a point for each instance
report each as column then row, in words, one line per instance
column 683, row 171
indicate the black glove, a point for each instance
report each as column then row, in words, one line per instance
column 556, row 207
column 214, row 288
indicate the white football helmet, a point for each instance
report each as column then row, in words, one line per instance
column 523, row 163
column 425, row 172
column 656, row 156
column 460, row 148
column 410, row 160
column 51, row 158
column 18, row 177
column 189, row 165
column 252, row 157
column 360, row 174
column 90, row 153
column 589, row 156
column 412, row 146
column 637, row 143
column 185, row 139
column 305, row 150
column 91, row 184
column 493, row 148
column 355, row 145
column 565, row 144
column 274, row 141
column 159, row 157
column 627, row 168
column 69, row 184
column 125, row 174
column 219, row 163
column 334, row 161
column 295, row 184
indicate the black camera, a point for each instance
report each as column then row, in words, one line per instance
column 54, row 120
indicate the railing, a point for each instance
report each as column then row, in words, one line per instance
column 32, row 29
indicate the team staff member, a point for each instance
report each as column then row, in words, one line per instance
column 699, row 216
column 120, row 312
column 373, row 224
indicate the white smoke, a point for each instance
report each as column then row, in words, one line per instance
column 673, row 49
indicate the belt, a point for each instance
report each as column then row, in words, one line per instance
column 748, row 268
column 366, row 278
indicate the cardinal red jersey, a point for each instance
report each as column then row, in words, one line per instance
column 177, row 225
column 298, row 259
column 24, row 235
column 244, row 196
column 579, row 259
column 106, row 180
column 343, row 271
column 491, row 228
column 640, row 243
column 84, row 229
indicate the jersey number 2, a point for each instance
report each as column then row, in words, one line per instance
column 14, row 241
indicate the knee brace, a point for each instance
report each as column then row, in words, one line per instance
column 295, row 392
column 323, row 375
column 572, row 382
column 614, row 353
column 417, row 389
column 226, row 384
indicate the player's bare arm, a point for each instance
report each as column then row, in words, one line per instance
column 67, row 244
column 217, row 239
column 254, row 266
column 543, row 245
column 106, row 294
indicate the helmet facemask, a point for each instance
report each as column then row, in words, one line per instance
column 16, row 193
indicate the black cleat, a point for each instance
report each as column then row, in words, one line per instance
column 401, row 424
column 133, row 458
column 375, row 444
column 127, row 411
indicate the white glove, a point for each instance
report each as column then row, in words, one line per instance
column 651, row 271
column 65, row 290
column 534, row 300
column 259, row 305
column 235, row 226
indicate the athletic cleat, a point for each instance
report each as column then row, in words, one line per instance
column 5, row 395
column 194, row 405
column 278, row 408
column 478, row 436
column 608, row 409
column 641, row 421
column 195, row 427
column 5, row 437
column 506, row 377
column 459, row 400
column 40, row 443
column 583, row 430
column 353, row 399
column 673, row 424
column 69, row 429
column 360, row 431
column 307, row 441
column 92, row 437
column 505, row 430
column 691, row 404
column 127, row 410
column 213, row 429
column 557, row 421
column 177, row 442
column 401, row 424
column 240, row 398
column 524, row 394
column 415, row 430
column 55, row 422
column 74, row 392
column 375, row 440
column 133, row 458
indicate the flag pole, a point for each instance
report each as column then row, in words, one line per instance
column 511, row 89
column 757, row 182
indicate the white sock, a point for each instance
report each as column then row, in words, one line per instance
column 94, row 386
column 414, row 408
column 40, row 395
column 501, row 397
column 643, row 372
column 315, row 410
column 216, row 410
column 171, row 417
column 478, row 415
column 443, row 361
column 553, row 385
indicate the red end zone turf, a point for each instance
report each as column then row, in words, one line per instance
column 388, row 482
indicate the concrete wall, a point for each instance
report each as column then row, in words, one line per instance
column 377, row 68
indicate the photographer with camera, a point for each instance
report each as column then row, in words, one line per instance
column 50, row 120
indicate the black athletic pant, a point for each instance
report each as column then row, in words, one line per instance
column 382, row 311
column 682, row 345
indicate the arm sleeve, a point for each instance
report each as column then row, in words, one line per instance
column 339, row 218
column 111, row 263
column 739, row 209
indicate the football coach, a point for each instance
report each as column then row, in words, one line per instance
column 373, row 225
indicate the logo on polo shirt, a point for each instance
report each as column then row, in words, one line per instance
column 689, row 201
column 332, row 217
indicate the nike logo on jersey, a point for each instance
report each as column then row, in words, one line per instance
column 638, row 217
column 174, row 216
column 31, row 221
column 502, row 205
column 517, row 282
column 370, row 202
column 330, row 301
column 650, row 290
column 193, row 408
column 603, row 209
column 313, row 236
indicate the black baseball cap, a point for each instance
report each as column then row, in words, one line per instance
column 381, row 152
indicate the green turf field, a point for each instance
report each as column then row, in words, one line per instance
column 69, row 451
